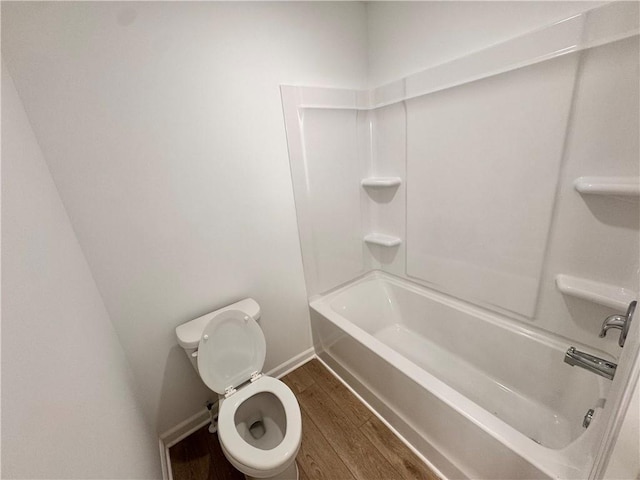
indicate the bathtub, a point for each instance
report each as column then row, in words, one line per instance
column 476, row 394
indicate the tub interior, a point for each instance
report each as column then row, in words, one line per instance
column 518, row 378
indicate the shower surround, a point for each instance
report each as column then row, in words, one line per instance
column 452, row 252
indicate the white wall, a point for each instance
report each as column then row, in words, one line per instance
column 407, row 37
column 162, row 126
column 68, row 404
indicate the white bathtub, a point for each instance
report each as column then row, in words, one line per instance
column 477, row 394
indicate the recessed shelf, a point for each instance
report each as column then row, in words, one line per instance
column 381, row 182
column 602, row 293
column 382, row 240
column 616, row 186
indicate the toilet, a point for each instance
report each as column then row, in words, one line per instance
column 259, row 421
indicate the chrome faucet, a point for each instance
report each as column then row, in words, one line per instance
column 620, row 322
column 593, row 364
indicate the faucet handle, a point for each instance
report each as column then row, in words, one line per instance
column 621, row 322
column 630, row 311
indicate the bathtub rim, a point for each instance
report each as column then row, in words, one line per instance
column 512, row 324
column 557, row 463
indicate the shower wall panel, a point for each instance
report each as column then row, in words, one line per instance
column 328, row 190
column 482, row 169
column 387, row 206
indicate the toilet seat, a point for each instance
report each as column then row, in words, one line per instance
column 232, row 349
column 247, row 455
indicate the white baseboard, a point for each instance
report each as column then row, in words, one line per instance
column 165, row 464
column 201, row 418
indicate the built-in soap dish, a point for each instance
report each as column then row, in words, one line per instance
column 381, row 182
column 613, row 186
column 605, row 294
column 382, row 240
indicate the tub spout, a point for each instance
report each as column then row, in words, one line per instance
column 593, row 364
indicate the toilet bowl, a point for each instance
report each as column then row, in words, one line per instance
column 260, row 428
column 259, row 421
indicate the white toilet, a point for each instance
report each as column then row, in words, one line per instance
column 259, row 422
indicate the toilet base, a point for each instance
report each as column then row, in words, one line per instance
column 291, row 473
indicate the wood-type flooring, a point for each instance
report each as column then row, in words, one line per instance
column 341, row 439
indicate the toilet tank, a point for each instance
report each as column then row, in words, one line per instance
column 189, row 333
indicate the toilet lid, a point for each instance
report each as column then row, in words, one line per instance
column 231, row 348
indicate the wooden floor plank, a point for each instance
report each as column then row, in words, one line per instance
column 396, row 452
column 199, row 457
column 302, row 475
column 355, row 410
column 298, row 380
column 350, row 444
column 317, row 457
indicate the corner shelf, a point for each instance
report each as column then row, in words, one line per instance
column 382, row 240
column 605, row 294
column 381, row 182
column 615, row 186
